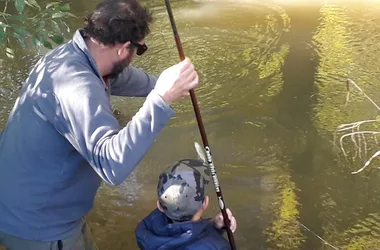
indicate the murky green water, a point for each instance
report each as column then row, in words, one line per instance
column 272, row 93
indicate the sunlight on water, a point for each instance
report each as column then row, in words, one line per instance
column 270, row 95
column 288, row 2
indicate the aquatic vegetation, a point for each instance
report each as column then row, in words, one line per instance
column 285, row 231
column 364, row 234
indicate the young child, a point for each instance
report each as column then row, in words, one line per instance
column 177, row 222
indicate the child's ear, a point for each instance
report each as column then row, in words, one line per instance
column 159, row 206
column 198, row 214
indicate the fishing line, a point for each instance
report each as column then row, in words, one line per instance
column 319, row 237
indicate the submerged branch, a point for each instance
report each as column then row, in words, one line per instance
column 353, row 125
column 360, row 133
column 357, row 136
column 6, row 6
column 367, row 163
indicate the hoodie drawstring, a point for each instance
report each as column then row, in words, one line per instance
column 60, row 245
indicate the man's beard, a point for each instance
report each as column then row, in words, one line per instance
column 120, row 66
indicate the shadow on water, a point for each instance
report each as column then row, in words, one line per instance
column 295, row 112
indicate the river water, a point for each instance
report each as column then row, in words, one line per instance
column 273, row 91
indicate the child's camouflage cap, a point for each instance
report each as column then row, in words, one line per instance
column 181, row 189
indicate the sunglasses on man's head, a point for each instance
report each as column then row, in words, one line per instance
column 141, row 48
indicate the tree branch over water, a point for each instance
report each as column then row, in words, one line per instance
column 26, row 23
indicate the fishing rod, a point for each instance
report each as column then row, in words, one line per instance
column 218, row 190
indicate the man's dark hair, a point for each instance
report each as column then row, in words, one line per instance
column 118, row 21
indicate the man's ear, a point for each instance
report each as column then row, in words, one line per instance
column 124, row 48
column 159, row 206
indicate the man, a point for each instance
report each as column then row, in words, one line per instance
column 177, row 223
column 61, row 138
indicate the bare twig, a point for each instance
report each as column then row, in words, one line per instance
column 355, row 130
column 353, row 125
column 355, row 133
column 6, row 6
column 367, row 163
column 357, row 136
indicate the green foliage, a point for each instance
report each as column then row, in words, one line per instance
column 31, row 25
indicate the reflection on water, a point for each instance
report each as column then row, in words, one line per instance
column 272, row 92
column 235, row 55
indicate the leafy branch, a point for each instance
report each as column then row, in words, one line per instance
column 32, row 25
